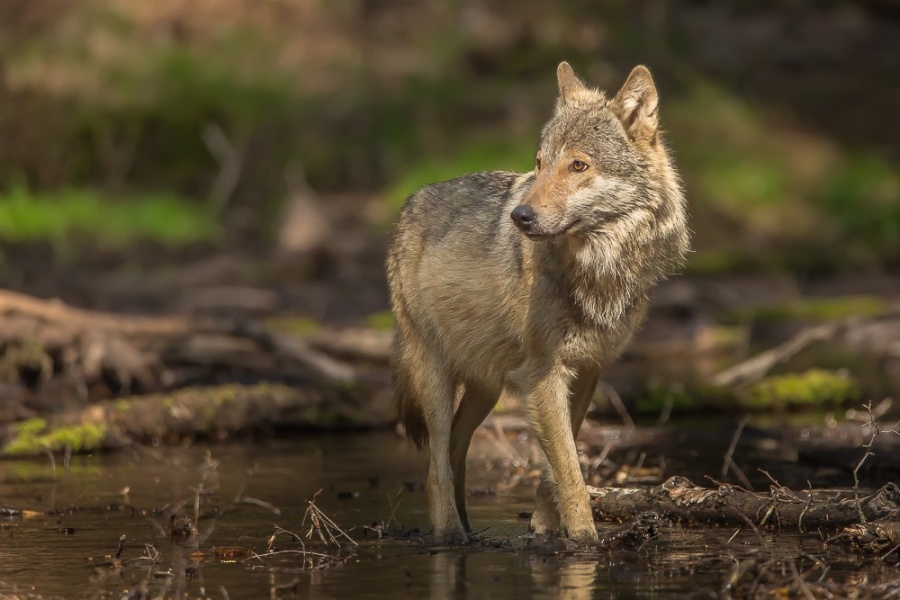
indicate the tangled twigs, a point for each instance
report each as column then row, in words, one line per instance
column 874, row 432
column 322, row 525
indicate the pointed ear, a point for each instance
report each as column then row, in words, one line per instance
column 637, row 105
column 568, row 82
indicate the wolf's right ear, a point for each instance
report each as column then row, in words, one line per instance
column 568, row 81
column 637, row 105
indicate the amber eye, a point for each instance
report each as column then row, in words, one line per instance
column 537, row 163
column 578, row 166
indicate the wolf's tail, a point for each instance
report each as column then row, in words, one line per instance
column 409, row 411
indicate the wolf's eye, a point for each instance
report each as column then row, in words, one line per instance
column 578, row 166
column 537, row 163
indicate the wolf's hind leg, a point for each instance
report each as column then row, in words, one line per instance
column 476, row 404
column 433, row 385
column 546, row 517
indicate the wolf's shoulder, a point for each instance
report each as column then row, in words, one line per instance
column 465, row 210
column 482, row 188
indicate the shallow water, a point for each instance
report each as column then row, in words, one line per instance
column 66, row 550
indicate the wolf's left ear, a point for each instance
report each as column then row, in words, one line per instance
column 568, row 81
column 637, row 105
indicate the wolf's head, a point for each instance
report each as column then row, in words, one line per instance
column 599, row 160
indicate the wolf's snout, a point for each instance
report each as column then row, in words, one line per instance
column 523, row 216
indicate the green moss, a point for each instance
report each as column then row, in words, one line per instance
column 209, row 417
column 818, row 309
column 812, row 388
column 30, row 426
column 294, row 325
column 382, row 321
column 80, row 438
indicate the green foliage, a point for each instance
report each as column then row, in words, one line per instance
column 812, row 388
column 818, row 309
column 103, row 82
column 765, row 196
column 61, row 216
column 863, row 195
column 293, row 325
column 382, row 321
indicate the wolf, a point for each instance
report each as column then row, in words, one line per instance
column 532, row 282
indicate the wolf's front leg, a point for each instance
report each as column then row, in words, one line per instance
column 546, row 514
column 562, row 482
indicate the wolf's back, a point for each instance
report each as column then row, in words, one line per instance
column 465, row 222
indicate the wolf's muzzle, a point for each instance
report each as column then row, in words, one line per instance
column 523, row 216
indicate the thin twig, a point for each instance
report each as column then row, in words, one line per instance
column 805, row 509
column 231, row 163
column 668, row 405
column 262, row 503
column 874, row 432
column 739, row 473
column 617, row 403
column 506, row 447
column 734, row 441
column 804, row 588
column 49, row 454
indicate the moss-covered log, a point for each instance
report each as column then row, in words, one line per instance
column 208, row 412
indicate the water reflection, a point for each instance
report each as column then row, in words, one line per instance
column 563, row 579
column 448, row 577
column 471, row 576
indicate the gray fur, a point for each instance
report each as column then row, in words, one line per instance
column 481, row 304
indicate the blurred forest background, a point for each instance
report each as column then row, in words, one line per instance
column 250, row 156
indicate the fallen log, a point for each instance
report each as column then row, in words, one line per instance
column 215, row 412
column 759, row 365
column 731, row 505
column 80, row 356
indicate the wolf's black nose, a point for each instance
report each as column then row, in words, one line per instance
column 523, row 216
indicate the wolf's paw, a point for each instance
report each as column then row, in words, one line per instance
column 543, row 525
column 451, row 537
column 584, row 535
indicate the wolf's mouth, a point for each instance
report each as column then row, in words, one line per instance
column 542, row 235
